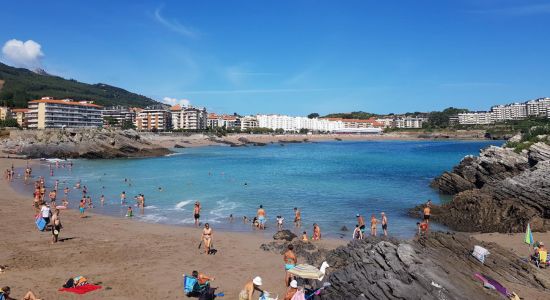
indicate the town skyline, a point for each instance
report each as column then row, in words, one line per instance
column 322, row 57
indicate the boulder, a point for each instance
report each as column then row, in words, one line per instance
column 286, row 235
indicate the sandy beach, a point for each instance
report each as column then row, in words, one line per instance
column 132, row 260
column 201, row 140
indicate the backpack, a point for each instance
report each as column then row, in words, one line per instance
column 189, row 284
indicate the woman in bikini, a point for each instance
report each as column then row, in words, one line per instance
column 207, row 238
column 373, row 223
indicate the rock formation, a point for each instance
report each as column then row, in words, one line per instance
column 499, row 190
column 439, row 266
column 80, row 143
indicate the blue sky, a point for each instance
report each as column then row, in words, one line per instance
column 296, row 57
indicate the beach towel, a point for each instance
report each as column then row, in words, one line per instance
column 40, row 223
column 83, row 289
column 480, row 253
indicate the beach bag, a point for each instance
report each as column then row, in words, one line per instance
column 189, row 284
column 69, row 283
column 299, row 295
column 480, row 253
column 208, row 294
column 40, row 223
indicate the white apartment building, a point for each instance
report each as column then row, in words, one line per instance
column 409, row 122
column 386, row 122
column 189, row 118
column 213, row 120
column 538, row 107
column 475, row 118
column 155, row 117
column 514, row 111
column 50, row 113
column 5, row 112
column 295, row 124
column 248, row 122
column 120, row 113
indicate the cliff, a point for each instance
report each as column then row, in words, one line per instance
column 424, row 268
column 499, row 190
column 80, row 143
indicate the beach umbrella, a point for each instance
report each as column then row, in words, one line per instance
column 306, row 271
column 528, row 236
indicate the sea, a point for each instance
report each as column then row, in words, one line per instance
column 330, row 182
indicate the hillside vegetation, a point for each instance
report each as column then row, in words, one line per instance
column 21, row 85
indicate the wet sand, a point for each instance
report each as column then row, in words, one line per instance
column 133, row 260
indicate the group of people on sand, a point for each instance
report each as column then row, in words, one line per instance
column 540, row 254
column 359, row 231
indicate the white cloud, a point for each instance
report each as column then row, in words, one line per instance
column 174, row 101
column 174, row 25
column 22, row 54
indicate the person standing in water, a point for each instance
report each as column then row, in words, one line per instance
column 197, row 212
column 207, row 238
column 297, row 218
column 384, row 224
column 373, row 224
column 123, row 198
column 261, row 217
column 427, row 211
column 361, row 223
column 316, row 232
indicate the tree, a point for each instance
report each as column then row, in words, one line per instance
column 304, row 131
column 279, row 131
column 127, row 124
column 313, row 116
column 9, row 122
column 111, row 120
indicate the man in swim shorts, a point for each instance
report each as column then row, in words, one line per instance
column 427, row 212
column 384, row 224
column 261, row 217
column 197, row 212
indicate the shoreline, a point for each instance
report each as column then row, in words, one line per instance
column 137, row 254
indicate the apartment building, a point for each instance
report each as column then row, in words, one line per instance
column 5, row 112
column 156, row 117
column 20, row 114
column 409, row 122
column 51, row 113
column 476, row 118
column 214, row 120
column 189, row 117
column 538, row 107
column 121, row 114
column 245, row 123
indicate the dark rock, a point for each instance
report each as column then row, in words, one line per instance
column 422, row 269
column 286, row 235
column 344, row 228
column 178, row 146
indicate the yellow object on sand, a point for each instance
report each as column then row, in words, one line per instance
column 543, row 255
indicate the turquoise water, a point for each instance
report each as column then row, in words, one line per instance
column 329, row 181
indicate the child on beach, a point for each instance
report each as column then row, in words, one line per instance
column 304, row 237
column 280, row 221
column 357, row 233
column 129, row 213
column 82, row 207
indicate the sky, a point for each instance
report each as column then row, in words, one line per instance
column 292, row 57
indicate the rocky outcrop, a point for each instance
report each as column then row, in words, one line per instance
column 286, row 235
column 498, row 191
column 439, row 266
column 80, row 143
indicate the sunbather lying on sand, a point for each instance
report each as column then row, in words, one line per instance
column 5, row 293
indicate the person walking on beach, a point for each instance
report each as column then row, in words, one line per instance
column 261, row 217
column 316, row 232
column 56, row 226
column 384, row 224
column 297, row 218
column 82, row 207
column 373, row 224
column 427, row 211
column 197, row 212
column 207, row 238
column 45, row 211
column 250, row 287
column 361, row 223
column 290, row 262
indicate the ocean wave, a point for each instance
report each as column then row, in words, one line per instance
column 181, row 204
column 152, row 218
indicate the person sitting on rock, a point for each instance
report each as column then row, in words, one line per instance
column 422, row 228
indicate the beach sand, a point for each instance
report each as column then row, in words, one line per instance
column 133, row 260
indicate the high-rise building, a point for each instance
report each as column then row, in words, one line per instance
column 189, row 118
column 121, row 114
column 20, row 114
column 50, row 113
column 156, row 117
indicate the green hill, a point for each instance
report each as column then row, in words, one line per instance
column 17, row 86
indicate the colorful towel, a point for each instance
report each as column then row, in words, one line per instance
column 83, row 289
